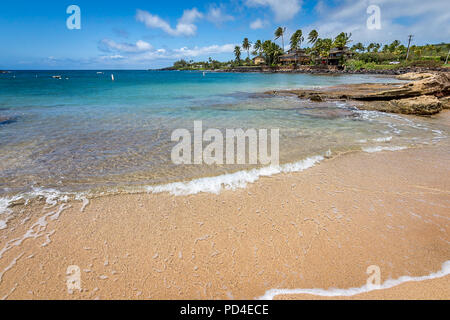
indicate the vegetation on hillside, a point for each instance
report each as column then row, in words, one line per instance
column 370, row 57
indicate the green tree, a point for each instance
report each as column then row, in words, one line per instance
column 393, row 45
column 297, row 39
column 371, row 47
column 377, row 47
column 313, row 36
column 322, row 47
column 237, row 53
column 358, row 47
column 258, row 46
column 272, row 52
column 401, row 49
column 279, row 33
column 342, row 40
column 246, row 46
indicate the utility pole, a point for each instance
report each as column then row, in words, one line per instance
column 409, row 44
column 446, row 60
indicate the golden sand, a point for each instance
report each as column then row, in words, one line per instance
column 321, row 228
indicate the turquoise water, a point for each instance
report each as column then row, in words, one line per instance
column 85, row 131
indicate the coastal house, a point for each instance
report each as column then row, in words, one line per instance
column 337, row 55
column 259, row 61
column 295, row 56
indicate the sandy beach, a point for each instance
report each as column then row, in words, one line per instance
column 317, row 229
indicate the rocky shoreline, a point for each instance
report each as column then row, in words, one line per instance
column 425, row 94
column 326, row 70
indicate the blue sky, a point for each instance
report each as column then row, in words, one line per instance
column 138, row 34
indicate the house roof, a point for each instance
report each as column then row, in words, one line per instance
column 336, row 50
column 295, row 55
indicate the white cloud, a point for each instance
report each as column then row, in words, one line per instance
column 283, row 9
column 112, row 57
column 142, row 51
column 217, row 15
column 201, row 51
column 185, row 26
column 428, row 21
column 139, row 46
column 257, row 24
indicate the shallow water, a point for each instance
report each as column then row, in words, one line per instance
column 86, row 132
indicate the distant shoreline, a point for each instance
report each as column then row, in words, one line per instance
column 315, row 70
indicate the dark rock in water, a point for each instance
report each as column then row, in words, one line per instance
column 316, row 98
column 7, row 120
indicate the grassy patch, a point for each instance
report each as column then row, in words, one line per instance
column 356, row 65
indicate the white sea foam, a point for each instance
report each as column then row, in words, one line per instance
column 232, row 181
column 385, row 139
column 52, row 198
column 270, row 294
column 379, row 148
column 5, row 211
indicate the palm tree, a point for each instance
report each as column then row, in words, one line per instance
column 377, row 47
column 246, row 46
column 342, row 40
column 297, row 39
column 258, row 46
column 358, row 47
column 313, row 36
column 237, row 53
column 280, row 33
column 370, row 47
column 272, row 52
column 322, row 47
column 394, row 45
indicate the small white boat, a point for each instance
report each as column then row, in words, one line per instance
column 112, row 77
column 57, row 77
column 99, row 72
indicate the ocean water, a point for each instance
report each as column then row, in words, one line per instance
column 85, row 133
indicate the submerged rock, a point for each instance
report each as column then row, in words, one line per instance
column 6, row 120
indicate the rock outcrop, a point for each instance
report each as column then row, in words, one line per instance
column 423, row 105
column 414, row 76
column 426, row 94
column 445, row 102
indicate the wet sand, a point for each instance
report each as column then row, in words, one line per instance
column 320, row 228
column 436, row 289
